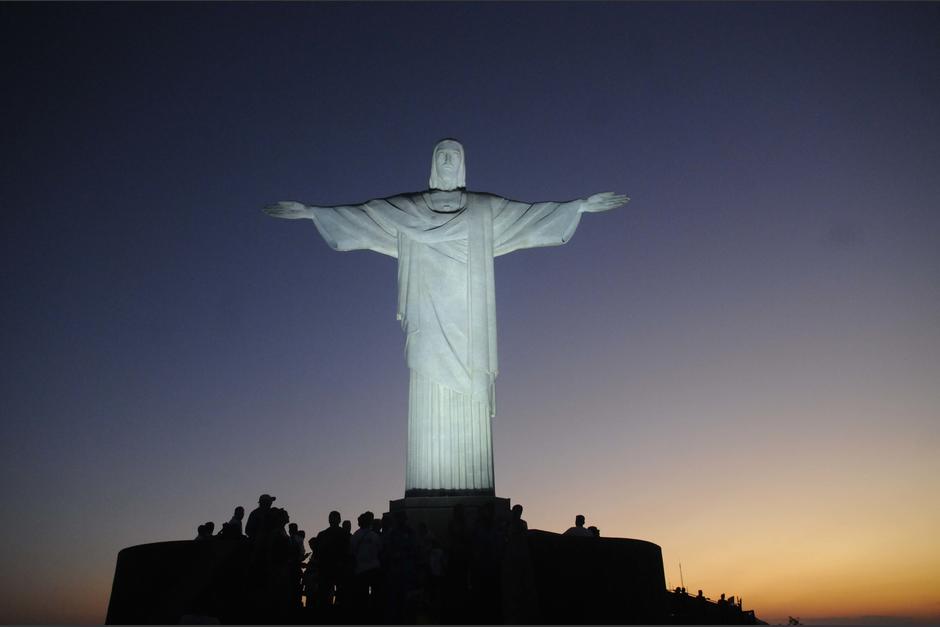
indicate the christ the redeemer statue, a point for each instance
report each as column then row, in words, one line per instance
column 445, row 240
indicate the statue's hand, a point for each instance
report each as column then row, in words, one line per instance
column 288, row 209
column 603, row 202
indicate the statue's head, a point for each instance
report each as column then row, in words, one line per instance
column 448, row 167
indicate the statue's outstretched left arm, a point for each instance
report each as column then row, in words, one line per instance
column 519, row 225
column 603, row 202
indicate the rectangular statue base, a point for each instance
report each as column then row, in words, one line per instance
column 438, row 511
column 417, row 492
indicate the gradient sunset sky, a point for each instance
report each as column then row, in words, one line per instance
column 742, row 365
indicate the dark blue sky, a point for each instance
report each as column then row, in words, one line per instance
column 770, row 293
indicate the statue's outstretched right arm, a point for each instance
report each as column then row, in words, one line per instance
column 289, row 210
column 343, row 227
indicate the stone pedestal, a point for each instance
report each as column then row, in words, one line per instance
column 437, row 511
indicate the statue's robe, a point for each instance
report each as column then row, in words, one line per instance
column 446, row 304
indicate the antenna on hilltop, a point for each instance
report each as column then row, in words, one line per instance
column 681, row 579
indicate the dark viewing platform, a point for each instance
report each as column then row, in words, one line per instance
column 537, row 577
column 578, row 580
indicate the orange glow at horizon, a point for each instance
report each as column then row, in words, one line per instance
column 843, row 531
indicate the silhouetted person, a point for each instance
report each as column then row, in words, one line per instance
column 204, row 531
column 282, row 567
column 400, row 575
column 233, row 528
column 298, row 539
column 516, row 522
column 311, row 577
column 519, row 596
column 346, row 568
column 365, row 546
column 332, row 549
column 578, row 529
column 235, row 524
column 256, row 519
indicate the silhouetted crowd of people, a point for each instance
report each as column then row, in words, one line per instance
column 477, row 563
column 580, row 531
column 721, row 602
column 699, row 609
column 387, row 571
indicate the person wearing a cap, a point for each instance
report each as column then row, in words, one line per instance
column 258, row 515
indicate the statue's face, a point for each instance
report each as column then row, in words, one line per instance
column 448, row 170
column 448, row 161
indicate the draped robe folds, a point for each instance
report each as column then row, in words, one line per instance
column 446, row 304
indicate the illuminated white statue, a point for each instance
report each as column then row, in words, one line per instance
column 445, row 240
